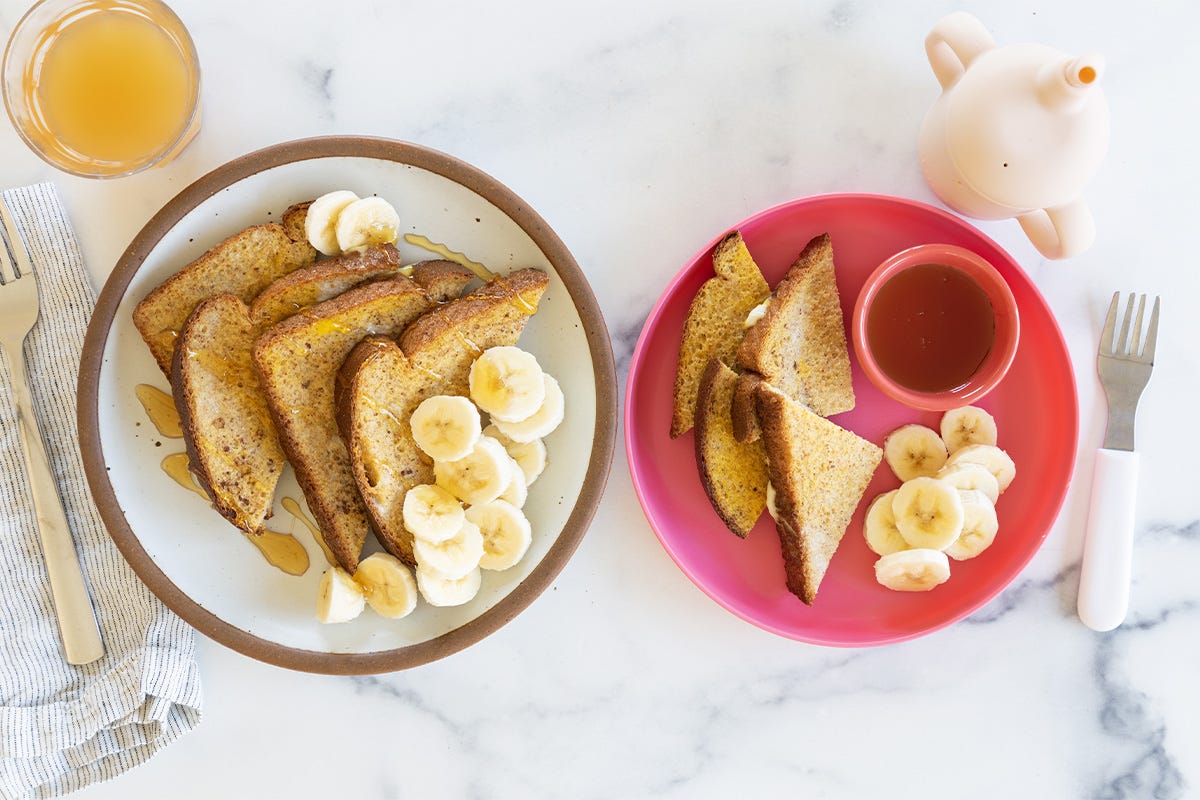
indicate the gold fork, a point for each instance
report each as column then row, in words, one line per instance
column 18, row 312
column 1124, row 363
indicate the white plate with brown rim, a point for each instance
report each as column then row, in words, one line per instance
column 205, row 569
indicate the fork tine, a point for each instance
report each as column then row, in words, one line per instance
column 1135, row 349
column 1110, row 324
column 8, row 273
column 1121, row 346
column 1151, row 335
column 15, row 243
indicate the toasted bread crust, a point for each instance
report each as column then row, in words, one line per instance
column 734, row 474
column 232, row 446
column 442, row 280
column 799, row 345
column 715, row 323
column 744, row 408
column 381, row 384
column 321, row 281
column 297, row 362
column 242, row 265
column 819, row 471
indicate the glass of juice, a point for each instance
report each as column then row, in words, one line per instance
column 102, row 88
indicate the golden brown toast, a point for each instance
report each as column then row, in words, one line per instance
column 799, row 346
column 242, row 265
column 744, row 408
column 734, row 474
column 297, row 361
column 715, row 323
column 328, row 278
column 819, row 472
column 231, row 441
column 382, row 383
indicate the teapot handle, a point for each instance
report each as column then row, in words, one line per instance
column 955, row 41
column 1060, row 232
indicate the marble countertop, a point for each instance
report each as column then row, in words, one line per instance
column 639, row 131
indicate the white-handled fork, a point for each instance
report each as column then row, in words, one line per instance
column 18, row 312
column 1124, row 363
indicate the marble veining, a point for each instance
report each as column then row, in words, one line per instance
column 639, row 131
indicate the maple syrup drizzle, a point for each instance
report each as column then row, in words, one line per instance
column 293, row 508
column 176, row 465
column 160, row 408
column 281, row 550
column 445, row 252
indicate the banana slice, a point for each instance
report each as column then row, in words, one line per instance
column 531, row 456
column 507, row 383
column 913, row 570
column 479, row 476
column 914, row 451
column 966, row 476
column 506, row 533
column 966, row 426
column 432, row 513
column 993, row 458
column 387, row 584
column 446, row 427
column 548, row 417
column 879, row 526
column 979, row 526
column 517, row 492
column 339, row 598
column 438, row 590
column 365, row 222
column 321, row 219
column 929, row 513
column 454, row 557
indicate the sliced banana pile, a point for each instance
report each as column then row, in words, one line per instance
column 470, row 518
column 342, row 222
column 946, row 503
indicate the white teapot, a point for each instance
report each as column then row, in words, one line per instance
column 1016, row 132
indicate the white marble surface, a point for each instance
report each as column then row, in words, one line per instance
column 639, row 131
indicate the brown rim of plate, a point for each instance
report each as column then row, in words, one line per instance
column 560, row 259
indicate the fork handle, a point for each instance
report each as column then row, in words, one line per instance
column 1108, row 546
column 76, row 617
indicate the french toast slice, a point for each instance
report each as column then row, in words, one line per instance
column 297, row 361
column 381, row 383
column 799, row 345
column 715, row 323
column 231, row 441
column 242, row 265
column 819, row 472
column 326, row 279
column 734, row 474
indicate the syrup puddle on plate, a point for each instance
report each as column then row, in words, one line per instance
column 293, row 508
column 160, row 408
column 282, row 550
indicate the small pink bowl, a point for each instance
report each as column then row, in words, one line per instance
column 1004, row 346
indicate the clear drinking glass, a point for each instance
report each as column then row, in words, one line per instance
column 102, row 88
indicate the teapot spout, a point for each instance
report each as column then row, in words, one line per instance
column 1063, row 84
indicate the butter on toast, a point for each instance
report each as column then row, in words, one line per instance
column 324, row 280
column 242, row 265
column 231, row 441
column 734, row 474
column 799, row 345
column 297, row 361
column 382, row 383
column 715, row 323
column 819, row 472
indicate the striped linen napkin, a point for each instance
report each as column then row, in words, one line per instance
column 63, row 727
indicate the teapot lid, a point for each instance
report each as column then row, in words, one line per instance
column 1021, row 133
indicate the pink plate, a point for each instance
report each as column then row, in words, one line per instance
column 1035, row 410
